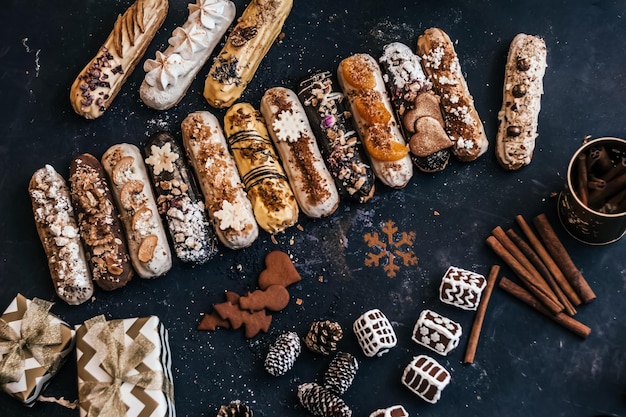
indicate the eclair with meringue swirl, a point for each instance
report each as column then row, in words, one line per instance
column 170, row 73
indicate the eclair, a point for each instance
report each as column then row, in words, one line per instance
column 145, row 235
column 463, row 125
column 332, row 124
column 179, row 200
column 246, row 46
column 100, row 227
column 291, row 132
column 274, row 204
column 416, row 106
column 101, row 79
column 60, row 236
column 225, row 197
column 362, row 82
column 170, row 73
column 521, row 101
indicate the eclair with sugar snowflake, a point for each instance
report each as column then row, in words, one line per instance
column 225, row 197
column 170, row 74
column 312, row 183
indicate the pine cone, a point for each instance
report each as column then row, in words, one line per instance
column 321, row 402
column 234, row 409
column 323, row 336
column 283, row 354
column 340, row 373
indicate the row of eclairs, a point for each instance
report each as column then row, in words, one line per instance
column 299, row 152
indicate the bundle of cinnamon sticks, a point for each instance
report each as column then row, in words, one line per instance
column 600, row 180
column 550, row 281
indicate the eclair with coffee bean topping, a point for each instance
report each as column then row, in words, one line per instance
column 100, row 227
column 521, row 102
column 332, row 124
column 145, row 235
column 102, row 78
column 463, row 125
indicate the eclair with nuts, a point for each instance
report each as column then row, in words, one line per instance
column 247, row 44
column 179, row 200
column 97, row 85
column 274, row 204
column 225, row 197
column 170, row 73
column 145, row 235
column 362, row 82
column 463, row 125
column 521, row 102
column 416, row 106
column 291, row 132
column 100, row 227
column 332, row 124
column 60, row 236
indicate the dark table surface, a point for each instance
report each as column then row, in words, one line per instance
column 525, row 364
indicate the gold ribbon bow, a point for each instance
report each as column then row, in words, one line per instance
column 38, row 334
column 120, row 362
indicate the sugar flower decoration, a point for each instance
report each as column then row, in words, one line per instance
column 162, row 158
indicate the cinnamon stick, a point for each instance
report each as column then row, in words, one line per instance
column 562, row 258
column 545, row 256
column 553, row 306
column 509, row 245
column 472, row 343
column 581, row 183
column 542, row 270
column 610, row 189
column 564, row 320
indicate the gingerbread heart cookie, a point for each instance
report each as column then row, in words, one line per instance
column 279, row 270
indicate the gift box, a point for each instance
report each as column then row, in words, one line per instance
column 33, row 346
column 124, row 368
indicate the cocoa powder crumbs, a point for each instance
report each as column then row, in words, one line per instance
column 315, row 186
column 279, row 99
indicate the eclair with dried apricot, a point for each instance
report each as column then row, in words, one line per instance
column 145, row 235
column 246, row 46
column 274, row 204
column 291, row 132
column 59, row 235
column 463, row 125
column 362, row 82
column 225, row 197
column 179, row 200
column 99, row 82
column 99, row 223
column 332, row 124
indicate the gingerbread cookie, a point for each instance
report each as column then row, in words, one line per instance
column 274, row 298
column 279, row 270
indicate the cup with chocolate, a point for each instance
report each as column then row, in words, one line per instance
column 592, row 207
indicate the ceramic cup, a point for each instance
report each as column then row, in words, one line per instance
column 594, row 226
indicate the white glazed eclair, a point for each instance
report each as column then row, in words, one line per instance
column 521, row 101
column 225, row 198
column 170, row 74
column 247, row 44
column 275, row 207
column 59, row 235
column 362, row 82
column 291, row 132
column 145, row 235
column 102, row 78
column 441, row 64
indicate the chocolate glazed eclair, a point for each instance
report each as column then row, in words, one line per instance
column 179, row 200
column 331, row 122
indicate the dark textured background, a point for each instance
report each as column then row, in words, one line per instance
column 525, row 365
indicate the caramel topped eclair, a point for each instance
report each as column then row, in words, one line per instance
column 441, row 64
column 179, row 200
column 362, row 82
column 332, row 125
column 291, row 132
column 225, row 197
column 274, row 204
column 99, row 223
